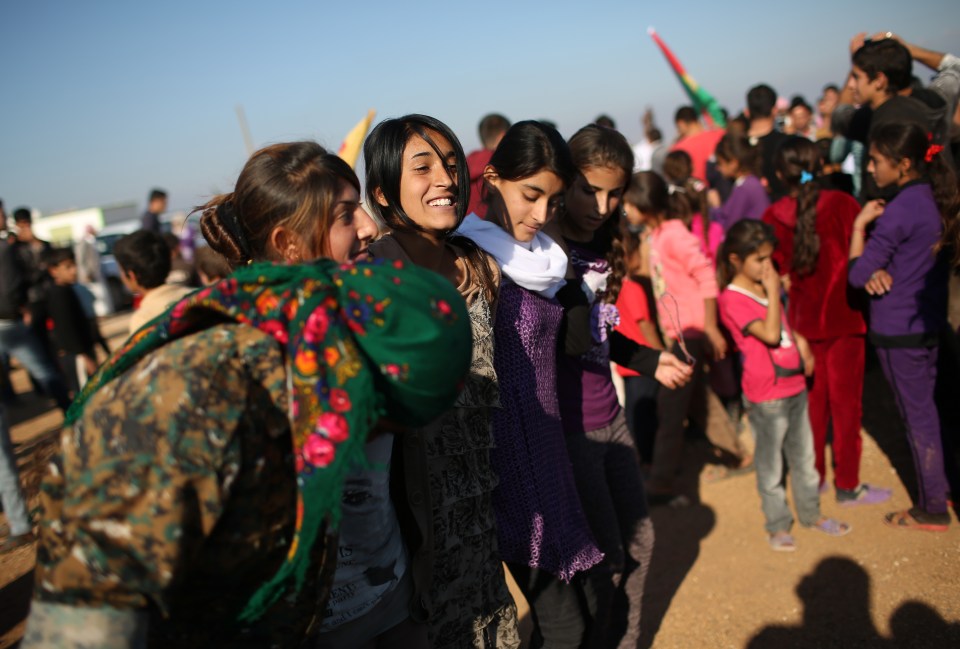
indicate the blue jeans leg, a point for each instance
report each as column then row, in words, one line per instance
column 14, row 504
column 798, row 451
column 18, row 341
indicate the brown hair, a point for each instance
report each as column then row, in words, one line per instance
column 598, row 146
column 293, row 184
column 736, row 147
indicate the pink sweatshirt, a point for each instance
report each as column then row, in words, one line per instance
column 679, row 267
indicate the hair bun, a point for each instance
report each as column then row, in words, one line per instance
column 220, row 228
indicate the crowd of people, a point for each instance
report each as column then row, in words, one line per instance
column 362, row 413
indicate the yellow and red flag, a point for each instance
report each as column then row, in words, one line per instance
column 350, row 147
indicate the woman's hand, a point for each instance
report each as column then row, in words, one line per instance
column 871, row 212
column 879, row 283
column 672, row 372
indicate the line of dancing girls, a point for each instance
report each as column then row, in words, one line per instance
column 332, row 462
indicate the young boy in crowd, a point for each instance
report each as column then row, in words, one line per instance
column 144, row 260
column 73, row 339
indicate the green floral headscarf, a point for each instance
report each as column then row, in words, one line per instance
column 361, row 341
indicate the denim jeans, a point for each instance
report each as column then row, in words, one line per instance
column 17, row 340
column 11, row 495
column 782, row 429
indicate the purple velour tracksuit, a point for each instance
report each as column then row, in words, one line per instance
column 905, row 324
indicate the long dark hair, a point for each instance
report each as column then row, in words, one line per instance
column 383, row 157
column 798, row 163
column 743, row 239
column 897, row 141
column 598, row 146
column 528, row 148
column 293, row 184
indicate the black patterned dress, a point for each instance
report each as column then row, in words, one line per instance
column 471, row 606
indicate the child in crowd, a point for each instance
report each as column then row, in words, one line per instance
column 814, row 226
column 685, row 287
column 72, row 336
column 602, row 450
column 637, row 322
column 419, row 186
column 900, row 266
column 678, row 170
column 775, row 361
column 543, row 533
column 144, row 260
column 738, row 160
column 211, row 266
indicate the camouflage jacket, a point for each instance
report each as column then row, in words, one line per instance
column 175, row 496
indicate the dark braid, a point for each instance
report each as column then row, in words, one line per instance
column 798, row 163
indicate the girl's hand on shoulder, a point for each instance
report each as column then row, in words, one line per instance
column 871, row 212
column 713, row 198
column 717, row 342
column 879, row 283
column 672, row 372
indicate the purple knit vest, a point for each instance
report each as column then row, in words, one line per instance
column 540, row 521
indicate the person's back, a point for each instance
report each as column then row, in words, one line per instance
column 222, row 505
column 491, row 130
column 819, row 305
column 761, row 103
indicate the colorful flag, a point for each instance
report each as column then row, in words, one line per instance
column 703, row 102
column 350, row 148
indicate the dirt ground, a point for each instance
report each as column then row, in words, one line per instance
column 713, row 582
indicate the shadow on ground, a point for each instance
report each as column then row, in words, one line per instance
column 679, row 533
column 836, row 613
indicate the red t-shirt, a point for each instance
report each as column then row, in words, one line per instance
column 700, row 147
column 768, row 372
column 633, row 308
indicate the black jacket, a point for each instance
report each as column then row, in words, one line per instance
column 13, row 283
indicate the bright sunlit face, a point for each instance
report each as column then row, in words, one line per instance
column 352, row 229
column 752, row 267
column 595, row 196
column 428, row 183
column 524, row 206
column 885, row 171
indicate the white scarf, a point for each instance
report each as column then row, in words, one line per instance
column 539, row 265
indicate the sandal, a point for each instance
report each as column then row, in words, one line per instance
column 832, row 526
column 782, row 542
column 916, row 519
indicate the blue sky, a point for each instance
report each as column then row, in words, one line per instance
column 104, row 100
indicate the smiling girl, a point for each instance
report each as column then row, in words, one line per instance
column 417, row 183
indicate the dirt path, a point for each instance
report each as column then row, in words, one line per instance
column 714, row 582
